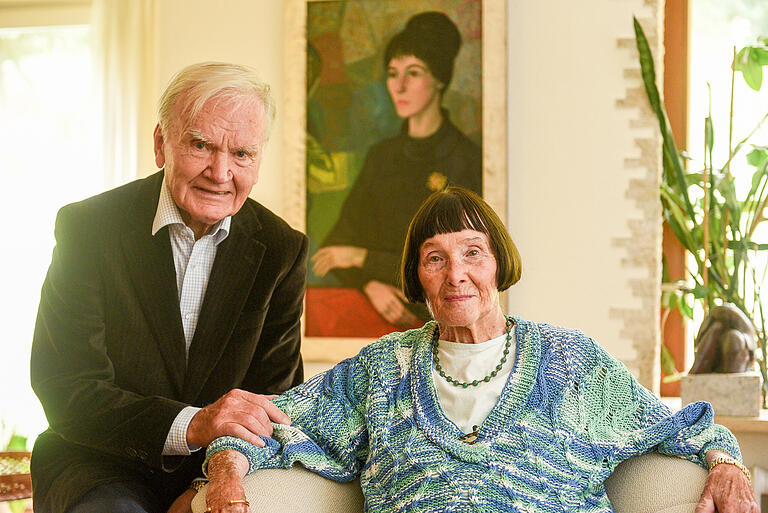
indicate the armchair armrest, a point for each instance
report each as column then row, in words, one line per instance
column 655, row 483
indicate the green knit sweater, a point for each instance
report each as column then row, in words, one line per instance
column 567, row 416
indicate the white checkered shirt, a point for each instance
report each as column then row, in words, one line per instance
column 193, row 260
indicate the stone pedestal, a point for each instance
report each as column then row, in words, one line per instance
column 733, row 394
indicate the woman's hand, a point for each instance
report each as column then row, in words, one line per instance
column 225, row 483
column 341, row 257
column 727, row 490
column 388, row 302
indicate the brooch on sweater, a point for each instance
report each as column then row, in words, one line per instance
column 470, row 438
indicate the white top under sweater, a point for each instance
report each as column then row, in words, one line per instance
column 468, row 407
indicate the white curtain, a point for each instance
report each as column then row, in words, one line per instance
column 124, row 68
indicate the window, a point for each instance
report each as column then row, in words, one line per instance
column 717, row 27
column 48, row 159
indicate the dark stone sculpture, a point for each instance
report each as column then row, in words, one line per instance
column 726, row 342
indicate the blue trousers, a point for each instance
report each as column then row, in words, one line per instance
column 120, row 497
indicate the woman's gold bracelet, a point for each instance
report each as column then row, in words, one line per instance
column 730, row 461
column 198, row 484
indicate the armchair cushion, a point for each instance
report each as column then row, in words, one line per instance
column 652, row 483
column 295, row 490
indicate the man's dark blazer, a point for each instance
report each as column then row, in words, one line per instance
column 108, row 359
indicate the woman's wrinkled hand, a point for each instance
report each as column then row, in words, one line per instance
column 727, row 490
column 225, row 483
column 341, row 257
column 388, row 302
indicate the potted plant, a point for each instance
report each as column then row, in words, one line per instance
column 706, row 213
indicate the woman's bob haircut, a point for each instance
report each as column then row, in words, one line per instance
column 452, row 210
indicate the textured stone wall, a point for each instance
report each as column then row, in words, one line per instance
column 643, row 246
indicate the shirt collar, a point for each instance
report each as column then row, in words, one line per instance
column 168, row 214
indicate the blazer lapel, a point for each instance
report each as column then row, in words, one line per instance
column 149, row 261
column 237, row 262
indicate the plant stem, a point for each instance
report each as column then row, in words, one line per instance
column 758, row 218
column 748, row 137
column 730, row 117
column 726, row 220
column 764, row 362
column 705, row 222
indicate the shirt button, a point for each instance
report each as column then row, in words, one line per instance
column 188, row 316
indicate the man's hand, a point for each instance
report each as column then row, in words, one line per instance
column 183, row 503
column 388, row 301
column 237, row 413
column 727, row 490
column 342, row 257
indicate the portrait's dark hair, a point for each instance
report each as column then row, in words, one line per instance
column 452, row 210
column 433, row 38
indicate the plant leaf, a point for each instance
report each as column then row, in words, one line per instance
column 761, row 54
column 669, row 299
column 17, row 506
column 700, row 291
column 709, row 134
column 685, row 308
column 667, row 361
column 694, row 179
column 751, row 67
column 757, row 156
column 673, row 164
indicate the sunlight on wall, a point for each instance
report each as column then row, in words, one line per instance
column 47, row 160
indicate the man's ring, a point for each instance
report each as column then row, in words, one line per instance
column 240, row 501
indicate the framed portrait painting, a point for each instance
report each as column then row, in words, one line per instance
column 390, row 101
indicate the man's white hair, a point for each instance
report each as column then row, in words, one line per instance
column 194, row 85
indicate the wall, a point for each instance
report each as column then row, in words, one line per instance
column 569, row 140
column 579, row 154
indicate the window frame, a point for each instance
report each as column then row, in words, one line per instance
column 677, row 37
column 18, row 14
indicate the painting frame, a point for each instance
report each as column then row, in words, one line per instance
column 494, row 138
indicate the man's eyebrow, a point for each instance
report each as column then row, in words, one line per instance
column 253, row 149
column 197, row 134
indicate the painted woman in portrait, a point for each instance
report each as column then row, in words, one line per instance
column 363, row 248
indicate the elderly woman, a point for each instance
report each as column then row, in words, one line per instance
column 477, row 410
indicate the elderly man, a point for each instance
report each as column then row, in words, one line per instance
column 170, row 303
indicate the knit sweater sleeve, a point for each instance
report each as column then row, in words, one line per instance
column 616, row 418
column 328, row 432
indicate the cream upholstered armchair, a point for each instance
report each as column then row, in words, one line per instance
column 652, row 483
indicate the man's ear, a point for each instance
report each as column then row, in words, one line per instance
column 159, row 141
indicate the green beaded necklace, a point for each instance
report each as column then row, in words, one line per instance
column 464, row 384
